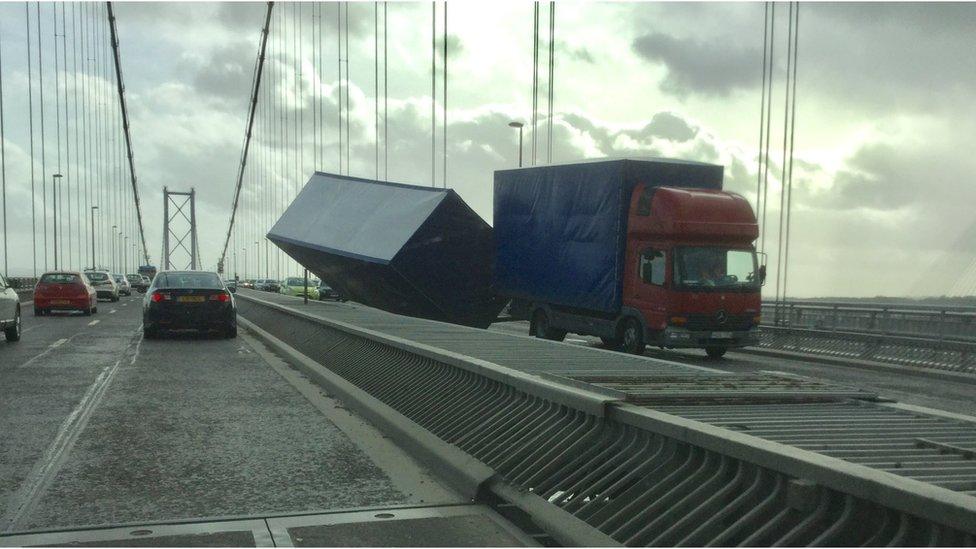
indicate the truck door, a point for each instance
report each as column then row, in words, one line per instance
column 649, row 285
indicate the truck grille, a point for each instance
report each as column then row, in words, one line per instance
column 706, row 322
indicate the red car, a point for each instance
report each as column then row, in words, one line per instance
column 64, row 291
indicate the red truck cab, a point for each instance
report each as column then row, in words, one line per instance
column 692, row 278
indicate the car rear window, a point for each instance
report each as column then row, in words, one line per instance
column 295, row 282
column 133, row 278
column 59, row 278
column 206, row 281
column 96, row 277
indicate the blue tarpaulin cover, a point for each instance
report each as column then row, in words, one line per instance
column 410, row 250
column 561, row 230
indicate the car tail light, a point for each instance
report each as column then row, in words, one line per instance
column 222, row 297
column 157, row 297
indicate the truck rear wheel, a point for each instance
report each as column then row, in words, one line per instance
column 715, row 352
column 632, row 340
column 542, row 329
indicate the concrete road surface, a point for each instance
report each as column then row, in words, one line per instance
column 101, row 427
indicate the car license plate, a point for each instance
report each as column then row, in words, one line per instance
column 60, row 302
column 721, row 335
column 191, row 299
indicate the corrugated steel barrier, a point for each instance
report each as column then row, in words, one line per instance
column 673, row 467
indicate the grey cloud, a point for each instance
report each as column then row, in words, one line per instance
column 669, row 126
column 706, row 67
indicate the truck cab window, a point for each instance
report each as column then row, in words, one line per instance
column 652, row 266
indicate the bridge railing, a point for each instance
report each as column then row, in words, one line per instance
column 24, row 286
column 953, row 323
column 924, row 336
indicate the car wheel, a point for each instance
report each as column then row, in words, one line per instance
column 87, row 312
column 38, row 312
column 94, row 310
column 715, row 352
column 544, row 331
column 149, row 333
column 612, row 343
column 115, row 298
column 13, row 332
column 231, row 332
column 632, row 340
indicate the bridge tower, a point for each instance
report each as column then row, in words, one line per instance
column 178, row 226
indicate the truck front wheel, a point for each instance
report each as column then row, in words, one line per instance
column 632, row 340
column 715, row 352
column 542, row 329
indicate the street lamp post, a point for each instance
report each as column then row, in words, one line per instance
column 55, row 185
column 94, row 264
column 244, row 249
column 518, row 125
column 115, row 235
column 125, row 254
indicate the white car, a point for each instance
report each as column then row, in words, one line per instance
column 123, row 283
column 9, row 311
column 104, row 284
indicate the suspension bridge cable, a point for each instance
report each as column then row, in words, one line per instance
column 386, row 112
column 3, row 167
column 40, row 75
column 535, row 78
column 762, row 104
column 786, row 123
column 433, row 92
column 348, row 80
column 444, row 132
column 769, row 112
column 376, row 89
column 124, row 112
column 30, row 110
column 57, row 118
column 256, row 85
column 552, row 66
column 67, row 131
column 339, row 80
column 79, row 218
column 789, row 181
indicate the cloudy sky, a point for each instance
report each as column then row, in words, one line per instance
column 883, row 182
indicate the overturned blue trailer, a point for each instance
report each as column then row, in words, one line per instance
column 410, row 250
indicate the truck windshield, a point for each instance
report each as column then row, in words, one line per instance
column 713, row 268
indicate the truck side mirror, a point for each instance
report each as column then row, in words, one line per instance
column 762, row 274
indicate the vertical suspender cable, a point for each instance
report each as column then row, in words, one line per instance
column 762, row 104
column 318, row 83
column 769, row 115
column 3, row 167
column 40, row 85
column 68, row 182
column 444, row 132
column 348, row 80
column 57, row 120
column 339, row 81
column 79, row 218
column 386, row 96
column 789, row 179
column 376, row 89
column 535, row 78
column 552, row 66
column 786, row 134
column 433, row 91
column 30, row 110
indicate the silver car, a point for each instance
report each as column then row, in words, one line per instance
column 9, row 311
column 123, row 283
column 104, row 284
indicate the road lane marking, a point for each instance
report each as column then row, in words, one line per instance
column 94, row 322
column 112, row 312
column 44, row 471
column 46, row 351
column 59, row 343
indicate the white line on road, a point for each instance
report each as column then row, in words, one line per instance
column 59, row 343
column 112, row 312
column 44, row 471
column 94, row 322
